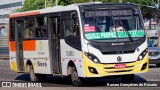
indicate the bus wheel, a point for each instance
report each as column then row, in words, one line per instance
column 158, row 65
column 41, row 77
column 127, row 78
column 74, row 77
column 33, row 76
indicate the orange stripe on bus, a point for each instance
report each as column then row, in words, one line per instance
column 29, row 45
column 12, row 46
column 24, row 14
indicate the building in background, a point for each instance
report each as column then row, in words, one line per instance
column 7, row 7
column 151, row 27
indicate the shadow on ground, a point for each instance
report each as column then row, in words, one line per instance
column 153, row 66
column 65, row 81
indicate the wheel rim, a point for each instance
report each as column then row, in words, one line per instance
column 32, row 74
column 75, row 77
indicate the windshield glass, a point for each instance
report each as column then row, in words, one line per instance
column 112, row 24
column 152, row 41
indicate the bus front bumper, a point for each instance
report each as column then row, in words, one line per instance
column 101, row 70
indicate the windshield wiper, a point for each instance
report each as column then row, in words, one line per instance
column 126, row 31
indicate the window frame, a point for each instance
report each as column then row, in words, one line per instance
column 44, row 26
column 11, row 37
column 29, row 28
column 34, row 28
column 77, row 43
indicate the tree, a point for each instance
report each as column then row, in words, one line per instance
column 64, row 2
column 31, row 5
column 147, row 12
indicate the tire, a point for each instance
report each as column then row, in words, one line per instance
column 41, row 77
column 35, row 77
column 76, row 81
column 127, row 78
column 158, row 65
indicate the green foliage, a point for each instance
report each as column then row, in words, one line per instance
column 49, row 3
column 32, row 5
column 146, row 11
column 63, row 2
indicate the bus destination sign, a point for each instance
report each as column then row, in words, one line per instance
column 107, row 13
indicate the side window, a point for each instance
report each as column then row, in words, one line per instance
column 71, row 26
column 41, row 26
column 68, row 27
column 72, row 30
column 12, row 29
column 28, row 28
column 76, row 28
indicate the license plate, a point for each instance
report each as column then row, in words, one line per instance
column 118, row 66
column 152, row 57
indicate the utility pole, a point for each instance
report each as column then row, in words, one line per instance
column 45, row 3
column 56, row 3
column 156, row 4
column 120, row 1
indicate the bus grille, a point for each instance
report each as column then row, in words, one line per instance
column 108, row 69
column 118, row 52
column 119, row 71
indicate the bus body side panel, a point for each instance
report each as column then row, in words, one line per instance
column 37, row 52
column 12, row 53
column 70, row 54
column 13, row 64
column 42, row 60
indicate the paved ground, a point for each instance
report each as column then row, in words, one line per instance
column 64, row 83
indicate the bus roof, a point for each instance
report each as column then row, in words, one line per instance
column 28, row 13
column 65, row 8
column 97, row 4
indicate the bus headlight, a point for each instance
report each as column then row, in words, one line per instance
column 142, row 55
column 92, row 57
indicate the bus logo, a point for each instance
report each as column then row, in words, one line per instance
column 119, row 58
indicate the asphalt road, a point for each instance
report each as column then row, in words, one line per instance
column 64, row 83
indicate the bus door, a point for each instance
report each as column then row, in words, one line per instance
column 55, row 44
column 19, row 46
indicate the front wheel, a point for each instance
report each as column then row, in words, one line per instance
column 127, row 78
column 76, row 81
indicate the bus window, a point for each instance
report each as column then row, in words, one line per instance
column 29, row 22
column 29, row 28
column 76, row 29
column 72, row 31
column 28, row 33
column 40, row 25
column 71, row 27
column 68, row 27
column 41, row 32
column 41, row 21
